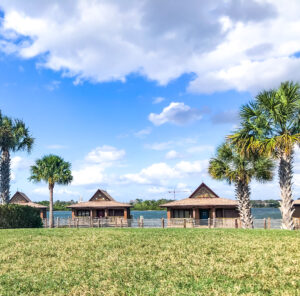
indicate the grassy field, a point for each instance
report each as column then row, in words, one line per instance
column 149, row 262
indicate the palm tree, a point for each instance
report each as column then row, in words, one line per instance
column 14, row 136
column 271, row 126
column 231, row 166
column 53, row 170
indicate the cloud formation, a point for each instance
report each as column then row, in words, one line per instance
column 226, row 44
column 96, row 162
column 161, row 173
column 176, row 113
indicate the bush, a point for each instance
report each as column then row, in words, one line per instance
column 18, row 216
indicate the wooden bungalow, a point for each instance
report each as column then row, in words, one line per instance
column 21, row 198
column 203, row 203
column 296, row 213
column 101, row 205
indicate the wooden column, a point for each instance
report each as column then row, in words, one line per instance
column 213, row 212
column 169, row 213
column 91, row 214
column 106, row 213
column 73, row 213
column 125, row 213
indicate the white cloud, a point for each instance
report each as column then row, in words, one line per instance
column 90, row 174
column 143, row 133
column 158, row 100
column 96, row 162
column 58, row 191
column 173, row 154
column 161, row 173
column 224, row 43
column 19, row 163
column 194, row 167
column 105, row 154
column 160, row 146
column 157, row 189
column 176, row 113
column 53, row 85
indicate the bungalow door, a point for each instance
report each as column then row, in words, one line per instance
column 203, row 215
column 100, row 213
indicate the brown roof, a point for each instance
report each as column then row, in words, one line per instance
column 20, row 198
column 100, row 200
column 202, row 196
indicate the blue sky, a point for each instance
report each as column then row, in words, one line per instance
column 138, row 97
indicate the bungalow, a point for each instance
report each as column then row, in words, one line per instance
column 101, row 205
column 296, row 213
column 203, row 203
column 21, row 198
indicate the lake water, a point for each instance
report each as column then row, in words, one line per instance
column 258, row 213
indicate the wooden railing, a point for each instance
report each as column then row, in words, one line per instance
column 85, row 222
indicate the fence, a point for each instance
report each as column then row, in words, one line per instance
column 86, row 222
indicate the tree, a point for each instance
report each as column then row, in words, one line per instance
column 231, row 166
column 14, row 136
column 271, row 126
column 53, row 170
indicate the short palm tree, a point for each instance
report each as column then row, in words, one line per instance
column 14, row 136
column 231, row 166
column 271, row 126
column 53, row 170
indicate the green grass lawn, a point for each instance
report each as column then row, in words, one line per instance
column 149, row 262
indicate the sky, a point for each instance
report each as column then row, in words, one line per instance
column 138, row 94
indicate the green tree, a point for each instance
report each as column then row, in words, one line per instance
column 51, row 169
column 231, row 166
column 271, row 126
column 14, row 136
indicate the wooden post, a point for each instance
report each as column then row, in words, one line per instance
column 91, row 222
column 69, row 222
column 121, row 222
column 269, row 223
column 46, row 223
column 98, row 223
column 77, row 222
column 265, row 223
column 214, row 217
column 162, row 222
column 209, row 223
column 184, row 223
column 142, row 221
column 57, row 222
column 236, row 225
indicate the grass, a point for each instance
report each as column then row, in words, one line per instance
column 149, row 262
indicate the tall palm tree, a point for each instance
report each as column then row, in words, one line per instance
column 14, row 136
column 231, row 166
column 271, row 126
column 53, row 170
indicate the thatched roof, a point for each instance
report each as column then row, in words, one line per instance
column 20, row 198
column 203, row 196
column 100, row 200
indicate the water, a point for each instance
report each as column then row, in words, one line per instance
column 258, row 213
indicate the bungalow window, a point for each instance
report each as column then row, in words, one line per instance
column 181, row 213
column 83, row 213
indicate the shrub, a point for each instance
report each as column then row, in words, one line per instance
column 18, row 216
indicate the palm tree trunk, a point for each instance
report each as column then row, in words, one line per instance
column 5, row 177
column 285, row 182
column 242, row 191
column 51, row 220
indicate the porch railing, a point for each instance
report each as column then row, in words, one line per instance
column 85, row 222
